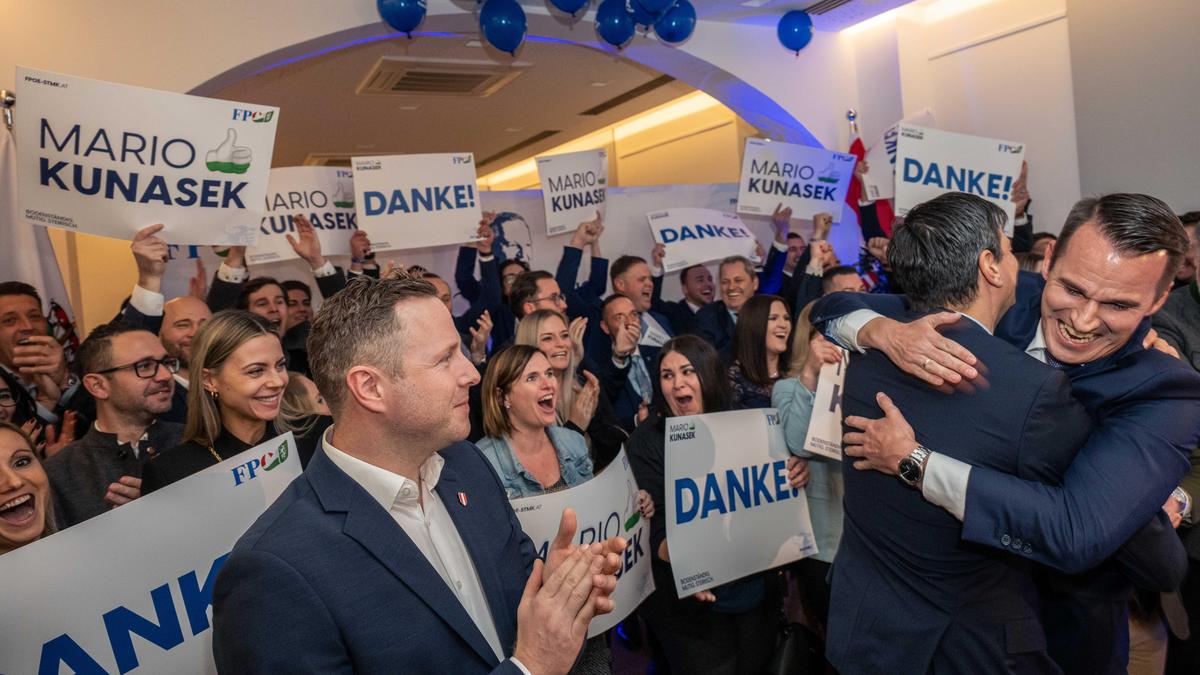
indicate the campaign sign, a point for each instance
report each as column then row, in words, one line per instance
column 880, row 181
column 730, row 509
column 824, row 435
column 110, row 159
column 605, row 507
column 809, row 180
column 324, row 194
column 930, row 162
column 574, row 188
column 131, row 590
column 414, row 201
column 694, row 236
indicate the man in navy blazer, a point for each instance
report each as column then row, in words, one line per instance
column 396, row 550
column 1107, row 274
column 907, row 597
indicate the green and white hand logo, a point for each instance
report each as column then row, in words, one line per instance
column 229, row 157
column 342, row 199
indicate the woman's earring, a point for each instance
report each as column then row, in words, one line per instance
column 214, row 394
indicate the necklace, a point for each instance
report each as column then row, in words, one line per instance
column 214, row 454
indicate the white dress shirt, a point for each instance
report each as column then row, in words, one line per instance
column 420, row 512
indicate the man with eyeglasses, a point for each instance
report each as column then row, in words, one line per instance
column 127, row 371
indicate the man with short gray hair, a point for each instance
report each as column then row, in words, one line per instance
column 716, row 321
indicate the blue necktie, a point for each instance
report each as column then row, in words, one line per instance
column 640, row 377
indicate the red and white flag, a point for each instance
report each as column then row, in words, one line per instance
column 876, row 216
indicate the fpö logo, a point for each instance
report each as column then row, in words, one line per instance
column 244, row 115
column 244, row 473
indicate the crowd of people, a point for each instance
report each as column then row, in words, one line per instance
column 1022, row 432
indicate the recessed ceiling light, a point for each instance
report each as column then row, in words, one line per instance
column 409, row 107
column 597, row 84
column 473, row 43
column 755, row 3
column 513, row 130
column 365, row 146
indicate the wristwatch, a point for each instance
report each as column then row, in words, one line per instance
column 912, row 468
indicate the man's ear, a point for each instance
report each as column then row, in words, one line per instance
column 365, row 384
column 989, row 268
column 1047, row 257
column 96, row 385
column 754, row 282
column 604, row 327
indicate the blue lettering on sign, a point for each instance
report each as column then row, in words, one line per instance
column 745, row 488
column 122, row 623
column 785, row 188
column 131, row 187
column 957, row 179
column 686, row 232
column 321, row 221
column 576, row 200
column 416, row 200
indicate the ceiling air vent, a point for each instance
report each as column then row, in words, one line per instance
column 404, row 76
column 628, row 96
column 826, row 6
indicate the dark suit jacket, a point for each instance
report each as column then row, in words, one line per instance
column 714, row 324
column 678, row 312
column 908, row 595
column 365, row 598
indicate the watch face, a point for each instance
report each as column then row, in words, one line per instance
column 910, row 470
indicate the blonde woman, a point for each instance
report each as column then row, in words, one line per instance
column 239, row 374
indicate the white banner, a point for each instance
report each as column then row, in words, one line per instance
column 131, row 590
column 605, row 507
column 730, row 509
column 809, row 180
column 574, row 188
column 695, row 236
column 325, row 194
column 110, row 159
column 930, row 162
column 415, row 201
column 824, row 435
column 880, row 181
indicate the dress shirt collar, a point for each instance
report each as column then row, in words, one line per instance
column 387, row 488
column 695, row 308
column 977, row 321
column 1037, row 347
column 181, row 380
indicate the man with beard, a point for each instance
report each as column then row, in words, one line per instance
column 129, row 374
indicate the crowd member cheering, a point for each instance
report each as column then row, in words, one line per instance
column 299, row 302
column 762, row 350
column 695, row 282
column 26, row 514
column 581, row 404
column 182, row 317
column 632, row 362
column 242, row 373
column 730, row 629
column 583, row 299
column 129, row 374
column 33, row 364
column 495, row 279
column 715, row 323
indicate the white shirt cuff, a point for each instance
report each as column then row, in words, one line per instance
column 326, row 270
column 814, row 268
column 945, row 483
column 656, row 272
column 782, row 248
column 146, row 302
column 233, row 275
column 844, row 330
column 486, row 257
column 516, row 662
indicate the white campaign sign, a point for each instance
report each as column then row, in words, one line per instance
column 110, row 159
column 574, row 188
column 930, row 162
column 131, row 590
column 695, row 236
column 824, row 435
column 880, row 181
column 809, row 180
column 730, row 510
column 605, row 507
column 324, row 194
column 414, row 201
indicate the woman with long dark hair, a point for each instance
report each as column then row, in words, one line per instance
column 761, row 349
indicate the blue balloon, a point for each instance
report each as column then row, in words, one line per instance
column 570, row 6
column 403, row 15
column 677, row 24
column 613, row 23
column 641, row 15
column 795, row 30
column 503, row 24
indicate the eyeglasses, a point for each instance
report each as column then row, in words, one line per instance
column 147, row 368
column 6, row 399
column 555, row 298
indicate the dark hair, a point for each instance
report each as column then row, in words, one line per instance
column 19, row 288
column 504, row 368
column 1190, row 218
column 360, row 325
column 795, row 235
column 1134, row 224
column 295, row 285
column 750, row 340
column 255, row 285
column 1029, row 261
column 612, row 297
column 683, row 273
column 835, row 271
column 622, row 265
column 95, row 353
column 714, row 383
column 1039, row 236
column 524, row 289
column 935, row 251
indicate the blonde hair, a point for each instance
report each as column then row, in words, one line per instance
column 800, row 336
column 297, row 411
column 528, row 329
column 214, row 343
column 506, row 367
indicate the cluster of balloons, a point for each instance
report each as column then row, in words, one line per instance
column 617, row 20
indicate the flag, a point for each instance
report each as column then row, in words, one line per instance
column 28, row 255
column 874, row 219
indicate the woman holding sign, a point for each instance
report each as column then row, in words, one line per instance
column 761, row 350
column 729, row 630
column 530, row 452
column 238, row 360
column 26, row 514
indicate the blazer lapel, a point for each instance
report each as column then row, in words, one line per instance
column 373, row 527
column 475, row 536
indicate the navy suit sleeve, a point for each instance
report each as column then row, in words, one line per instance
column 598, row 277
column 1154, row 558
column 253, row 591
column 1022, row 240
column 464, row 274
column 771, row 277
column 837, row 305
column 333, row 284
column 579, row 298
column 222, row 294
column 1130, row 463
column 1056, row 426
column 132, row 316
column 487, row 301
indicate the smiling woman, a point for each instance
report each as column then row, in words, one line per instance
column 25, row 509
column 239, row 362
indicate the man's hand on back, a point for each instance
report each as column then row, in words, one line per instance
column 919, row 349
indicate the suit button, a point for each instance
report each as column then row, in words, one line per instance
column 1016, row 544
column 1027, row 549
column 1005, row 540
